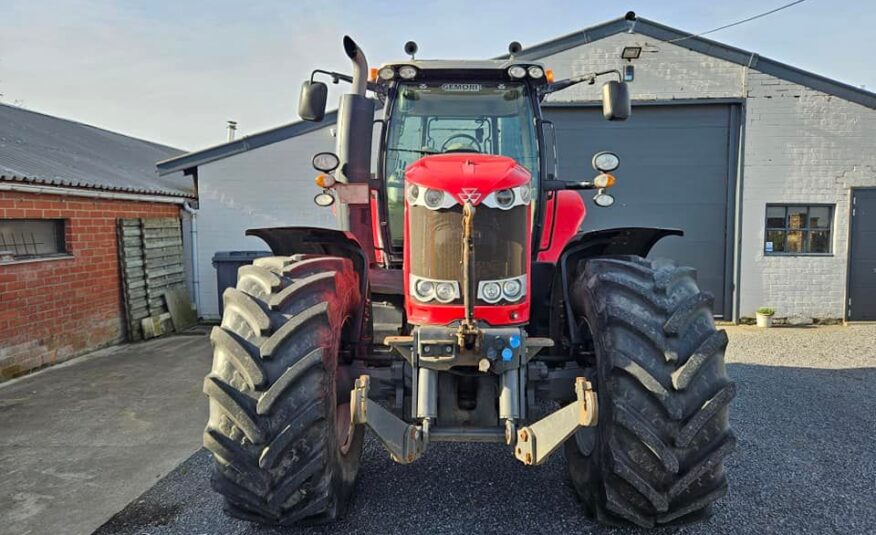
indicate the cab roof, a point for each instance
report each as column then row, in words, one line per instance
column 462, row 64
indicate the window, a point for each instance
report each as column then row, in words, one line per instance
column 798, row 229
column 22, row 239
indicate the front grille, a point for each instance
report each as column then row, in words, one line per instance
column 435, row 241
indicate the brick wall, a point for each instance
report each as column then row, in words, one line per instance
column 55, row 309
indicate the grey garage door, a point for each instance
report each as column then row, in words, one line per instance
column 677, row 171
column 862, row 257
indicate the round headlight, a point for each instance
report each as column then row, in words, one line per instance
column 605, row 161
column 491, row 292
column 517, row 71
column 413, row 193
column 434, row 198
column 386, row 73
column 326, row 162
column 407, row 72
column 526, row 193
column 511, row 289
column 535, row 71
column 505, row 198
column 424, row 289
column 603, row 200
column 445, row 292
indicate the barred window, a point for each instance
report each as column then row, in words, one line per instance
column 798, row 229
column 31, row 238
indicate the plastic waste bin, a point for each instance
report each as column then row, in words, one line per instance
column 227, row 263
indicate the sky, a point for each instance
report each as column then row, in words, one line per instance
column 174, row 72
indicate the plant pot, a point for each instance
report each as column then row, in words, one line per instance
column 764, row 321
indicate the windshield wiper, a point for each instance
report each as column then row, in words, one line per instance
column 417, row 151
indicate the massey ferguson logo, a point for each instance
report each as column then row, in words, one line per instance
column 469, row 195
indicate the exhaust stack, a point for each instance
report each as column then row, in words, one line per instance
column 355, row 126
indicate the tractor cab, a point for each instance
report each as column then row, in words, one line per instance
column 456, row 107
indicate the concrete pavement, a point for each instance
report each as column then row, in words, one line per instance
column 81, row 440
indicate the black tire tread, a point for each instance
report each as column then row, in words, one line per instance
column 271, row 428
column 663, row 429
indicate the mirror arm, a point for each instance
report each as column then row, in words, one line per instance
column 338, row 77
column 590, row 78
column 557, row 185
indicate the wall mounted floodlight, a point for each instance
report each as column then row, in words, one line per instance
column 631, row 52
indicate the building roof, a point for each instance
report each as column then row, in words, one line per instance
column 551, row 47
column 252, row 141
column 704, row 46
column 45, row 150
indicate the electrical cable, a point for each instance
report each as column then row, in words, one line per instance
column 737, row 23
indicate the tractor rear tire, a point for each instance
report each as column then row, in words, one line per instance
column 279, row 402
column 656, row 454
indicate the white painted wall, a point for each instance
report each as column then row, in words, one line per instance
column 808, row 147
column 271, row 186
column 800, row 146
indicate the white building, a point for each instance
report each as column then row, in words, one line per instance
column 756, row 160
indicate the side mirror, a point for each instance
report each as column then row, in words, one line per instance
column 615, row 101
column 311, row 101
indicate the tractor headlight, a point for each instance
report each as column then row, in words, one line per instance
column 433, row 198
column 505, row 198
column 386, row 73
column 517, row 71
column 413, row 193
column 425, row 290
column 445, row 292
column 605, row 161
column 326, row 162
column 526, row 193
column 535, row 71
column 407, row 72
column 490, row 291
column 510, row 290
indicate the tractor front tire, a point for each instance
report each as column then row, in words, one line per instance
column 279, row 402
column 656, row 454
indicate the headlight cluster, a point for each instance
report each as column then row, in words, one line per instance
column 507, row 199
column 433, row 199
column 405, row 72
column 425, row 290
column 511, row 290
column 520, row 71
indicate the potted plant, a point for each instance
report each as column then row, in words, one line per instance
column 765, row 316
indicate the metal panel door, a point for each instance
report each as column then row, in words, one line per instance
column 677, row 171
column 862, row 256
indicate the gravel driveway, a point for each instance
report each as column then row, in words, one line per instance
column 805, row 417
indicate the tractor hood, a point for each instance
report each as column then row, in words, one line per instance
column 468, row 177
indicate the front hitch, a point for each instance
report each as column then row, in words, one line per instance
column 537, row 441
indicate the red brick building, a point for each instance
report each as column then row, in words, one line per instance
column 63, row 188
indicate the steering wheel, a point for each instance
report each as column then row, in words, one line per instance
column 471, row 139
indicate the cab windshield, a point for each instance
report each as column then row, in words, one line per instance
column 437, row 118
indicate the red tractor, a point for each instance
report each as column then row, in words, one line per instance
column 455, row 302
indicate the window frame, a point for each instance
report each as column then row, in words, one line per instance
column 60, row 235
column 805, row 230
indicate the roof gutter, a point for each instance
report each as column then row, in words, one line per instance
column 54, row 190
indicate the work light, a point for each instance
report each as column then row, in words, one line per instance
column 535, row 71
column 517, row 71
column 407, row 72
